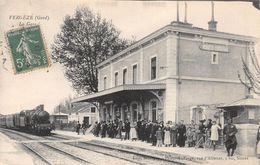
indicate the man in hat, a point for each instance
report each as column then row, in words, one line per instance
column 230, row 131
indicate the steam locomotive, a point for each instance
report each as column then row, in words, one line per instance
column 34, row 121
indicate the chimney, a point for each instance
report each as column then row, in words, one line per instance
column 212, row 23
column 185, row 14
column 177, row 11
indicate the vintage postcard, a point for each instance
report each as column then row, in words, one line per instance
column 129, row 82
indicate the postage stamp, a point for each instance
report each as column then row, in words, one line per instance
column 27, row 48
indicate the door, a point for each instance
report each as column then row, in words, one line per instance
column 86, row 120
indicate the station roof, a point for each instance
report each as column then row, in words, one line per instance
column 243, row 102
column 118, row 89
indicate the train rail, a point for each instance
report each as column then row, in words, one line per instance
column 57, row 147
column 83, row 151
column 47, row 153
column 134, row 157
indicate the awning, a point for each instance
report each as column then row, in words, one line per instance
column 243, row 102
column 117, row 90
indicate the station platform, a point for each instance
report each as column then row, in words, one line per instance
column 197, row 156
column 12, row 154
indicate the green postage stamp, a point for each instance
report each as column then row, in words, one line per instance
column 27, row 49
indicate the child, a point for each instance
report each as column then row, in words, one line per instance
column 159, row 137
column 189, row 137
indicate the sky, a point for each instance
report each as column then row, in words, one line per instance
column 133, row 18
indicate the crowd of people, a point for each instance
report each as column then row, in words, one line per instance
column 171, row 134
column 161, row 134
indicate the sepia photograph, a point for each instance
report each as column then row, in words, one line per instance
column 129, row 82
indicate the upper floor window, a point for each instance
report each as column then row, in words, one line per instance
column 116, row 78
column 105, row 82
column 135, row 74
column 124, row 76
column 93, row 110
column 214, row 58
column 153, row 68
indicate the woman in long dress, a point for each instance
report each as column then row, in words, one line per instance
column 173, row 131
column 214, row 134
column 23, row 47
column 167, row 136
column 133, row 133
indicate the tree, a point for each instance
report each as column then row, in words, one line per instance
column 64, row 106
column 85, row 40
column 251, row 69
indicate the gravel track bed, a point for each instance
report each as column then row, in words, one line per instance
column 91, row 156
column 133, row 157
column 52, row 155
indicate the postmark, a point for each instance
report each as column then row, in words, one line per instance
column 27, row 49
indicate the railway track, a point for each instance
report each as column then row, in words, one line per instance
column 84, row 152
column 56, row 150
column 134, row 157
column 47, row 153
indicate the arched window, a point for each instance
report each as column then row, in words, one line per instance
column 135, row 112
column 153, row 110
column 117, row 113
column 125, row 113
column 104, row 114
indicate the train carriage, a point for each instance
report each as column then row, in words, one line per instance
column 16, row 120
column 10, row 121
column 3, row 121
column 22, row 119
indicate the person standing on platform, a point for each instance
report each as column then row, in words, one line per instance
column 148, row 128
column 98, row 128
column 127, row 129
column 161, row 125
column 230, row 131
column 119, row 129
column 189, row 135
column 181, row 130
column 138, row 129
column 123, row 132
column 133, row 132
column 214, row 134
column 258, row 142
column 159, row 137
column 84, row 127
column 142, row 131
column 200, row 134
column 103, row 129
column 173, row 131
column 78, row 127
column 153, row 133
column 167, row 135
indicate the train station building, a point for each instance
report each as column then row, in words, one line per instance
column 175, row 73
